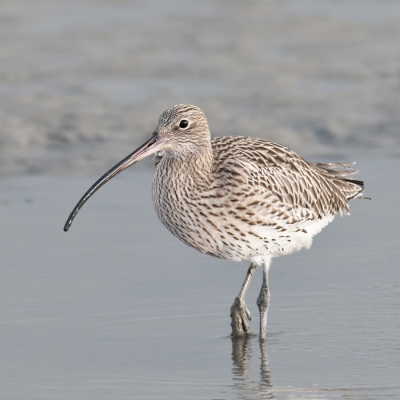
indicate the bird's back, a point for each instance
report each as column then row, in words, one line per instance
column 324, row 189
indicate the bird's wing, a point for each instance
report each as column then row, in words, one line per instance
column 323, row 189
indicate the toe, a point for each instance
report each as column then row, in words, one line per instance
column 247, row 312
column 240, row 316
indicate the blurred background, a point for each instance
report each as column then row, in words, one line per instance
column 82, row 83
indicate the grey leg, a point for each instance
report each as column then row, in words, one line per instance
column 263, row 301
column 240, row 314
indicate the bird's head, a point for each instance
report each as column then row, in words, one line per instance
column 182, row 131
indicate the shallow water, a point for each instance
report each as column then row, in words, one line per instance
column 118, row 308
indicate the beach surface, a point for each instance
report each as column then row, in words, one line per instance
column 83, row 82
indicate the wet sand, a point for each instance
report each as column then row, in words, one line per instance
column 118, row 308
column 82, row 81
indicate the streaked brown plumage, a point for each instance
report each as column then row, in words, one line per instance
column 237, row 198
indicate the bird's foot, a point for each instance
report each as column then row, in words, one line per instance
column 240, row 316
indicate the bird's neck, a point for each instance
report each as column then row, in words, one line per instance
column 195, row 167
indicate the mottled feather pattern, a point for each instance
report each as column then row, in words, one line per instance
column 281, row 172
column 247, row 198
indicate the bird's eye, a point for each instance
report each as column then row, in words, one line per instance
column 184, row 124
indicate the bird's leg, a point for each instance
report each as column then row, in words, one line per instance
column 263, row 301
column 240, row 314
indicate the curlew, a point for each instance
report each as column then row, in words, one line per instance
column 237, row 198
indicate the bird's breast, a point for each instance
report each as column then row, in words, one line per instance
column 183, row 205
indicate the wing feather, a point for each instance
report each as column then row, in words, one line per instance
column 323, row 189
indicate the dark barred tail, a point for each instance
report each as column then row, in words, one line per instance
column 340, row 172
column 358, row 185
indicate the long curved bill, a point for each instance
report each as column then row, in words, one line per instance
column 153, row 145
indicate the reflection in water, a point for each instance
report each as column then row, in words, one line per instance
column 247, row 387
